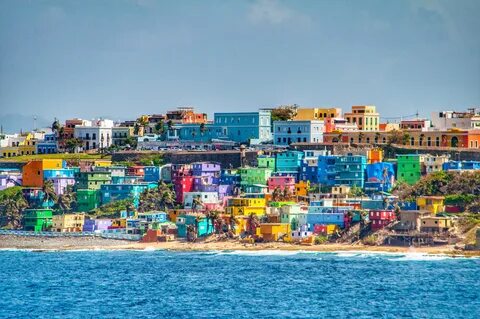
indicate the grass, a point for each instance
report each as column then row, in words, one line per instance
column 75, row 156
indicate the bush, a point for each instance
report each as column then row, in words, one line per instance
column 319, row 240
column 370, row 240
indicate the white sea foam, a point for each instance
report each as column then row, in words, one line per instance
column 421, row 257
column 149, row 248
column 267, row 252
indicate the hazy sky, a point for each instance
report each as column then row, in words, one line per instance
column 123, row 58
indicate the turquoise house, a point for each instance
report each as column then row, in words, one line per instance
column 289, row 162
column 113, row 192
column 204, row 225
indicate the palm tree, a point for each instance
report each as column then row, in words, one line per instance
column 287, row 194
column 160, row 127
column 196, row 202
column 252, row 224
column 56, row 126
column 67, row 200
column 49, row 195
column 276, row 194
column 203, row 129
column 11, row 211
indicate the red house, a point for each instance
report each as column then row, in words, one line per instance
column 381, row 218
column 136, row 171
column 182, row 184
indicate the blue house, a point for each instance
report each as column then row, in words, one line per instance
column 240, row 127
column 113, row 192
column 350, row 170
column 331, row 218
column 287, row 132
column 48, row 145
column 380, row 177
column 461, row 165
column 289, row 162
column 204, row 225
column 326, row 169
column 60, row 172
column 152, row 173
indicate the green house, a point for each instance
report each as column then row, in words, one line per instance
column 87, row 199
column 265, row 161
column 92, row 180
column 254, row 175
column 37, row 219
column 408, row 168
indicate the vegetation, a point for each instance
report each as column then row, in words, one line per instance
column 12, row 204
column 284, row 113
column 319, row 240
column 160, row 198
column 113, row 209
column 65, row 156
column 152, row 159
column 356, row 191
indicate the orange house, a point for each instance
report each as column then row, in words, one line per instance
column 32, row 172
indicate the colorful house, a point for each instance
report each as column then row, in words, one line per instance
column 380, row 177
column 92, row 180
column 245, row 206
column 295, row 215
column 264, row 161
column 96, row 225
column 436, row 224
column 33, row 171
column 254, row 175
column 208, row 200
column 408, row 168
column 282, row 183
column 88, row 199
column 48, row 145
column 113, row 192
column 274, row 231
column 37, row 219
column 381, row 218
column 182, row 185
column 302, row 188
column 432, row 204
column 326, row 169
column 305, row 131
column 151, row 174
column 289, row 162
column 350, row 170
column 203, row 225
column 68, row 223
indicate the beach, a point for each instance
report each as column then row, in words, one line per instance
column 95, row 243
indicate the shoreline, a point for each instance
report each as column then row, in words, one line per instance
column 36, row 244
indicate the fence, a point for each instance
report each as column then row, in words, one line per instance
column 113, row 235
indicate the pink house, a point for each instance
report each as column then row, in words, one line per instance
column 281, row 182
column 60, row 184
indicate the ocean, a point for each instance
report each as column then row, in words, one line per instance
column 236, row 284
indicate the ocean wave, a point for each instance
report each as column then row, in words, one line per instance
column 266, row 252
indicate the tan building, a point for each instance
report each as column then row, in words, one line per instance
column 308, row 114
column 411, row 220
column 436, row 224
column 434, row 163
column 68, row 223
column 365, row 116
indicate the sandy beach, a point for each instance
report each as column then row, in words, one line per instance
column 94, row 243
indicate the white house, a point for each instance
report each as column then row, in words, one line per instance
column 287, row 132
column 98, row 135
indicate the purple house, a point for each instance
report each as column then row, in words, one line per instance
column 60, row 184
column 206, row 169
column 10, row 179
column 92, row 225
column 225, row 190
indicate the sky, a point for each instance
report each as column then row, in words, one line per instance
column 123, row 58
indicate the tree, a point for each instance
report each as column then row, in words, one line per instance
column 284, row 113
column 203, row 128
column 56, row 126
column 276, row 194
column 49, row 195
column 287, row 194
column 131, row 142
column 252, row 224
column 160, row 127
column 356, row 191
column 196, row 203
column 12, row 204
column 67, row 201
column 72, row 144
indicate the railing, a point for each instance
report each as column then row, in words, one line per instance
column 110, row 235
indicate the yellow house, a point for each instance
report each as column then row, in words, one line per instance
column 340, row 191
column 302, row 187
column 119, row 223
column 102, row 163
column 307, row 114
column 246, row 206
column 22, row 145
column 68, row 223
column 432, row 204
column 365, row 116
column 275, row 231
column 436, row 224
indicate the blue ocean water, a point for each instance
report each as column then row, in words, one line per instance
column 265, row 284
